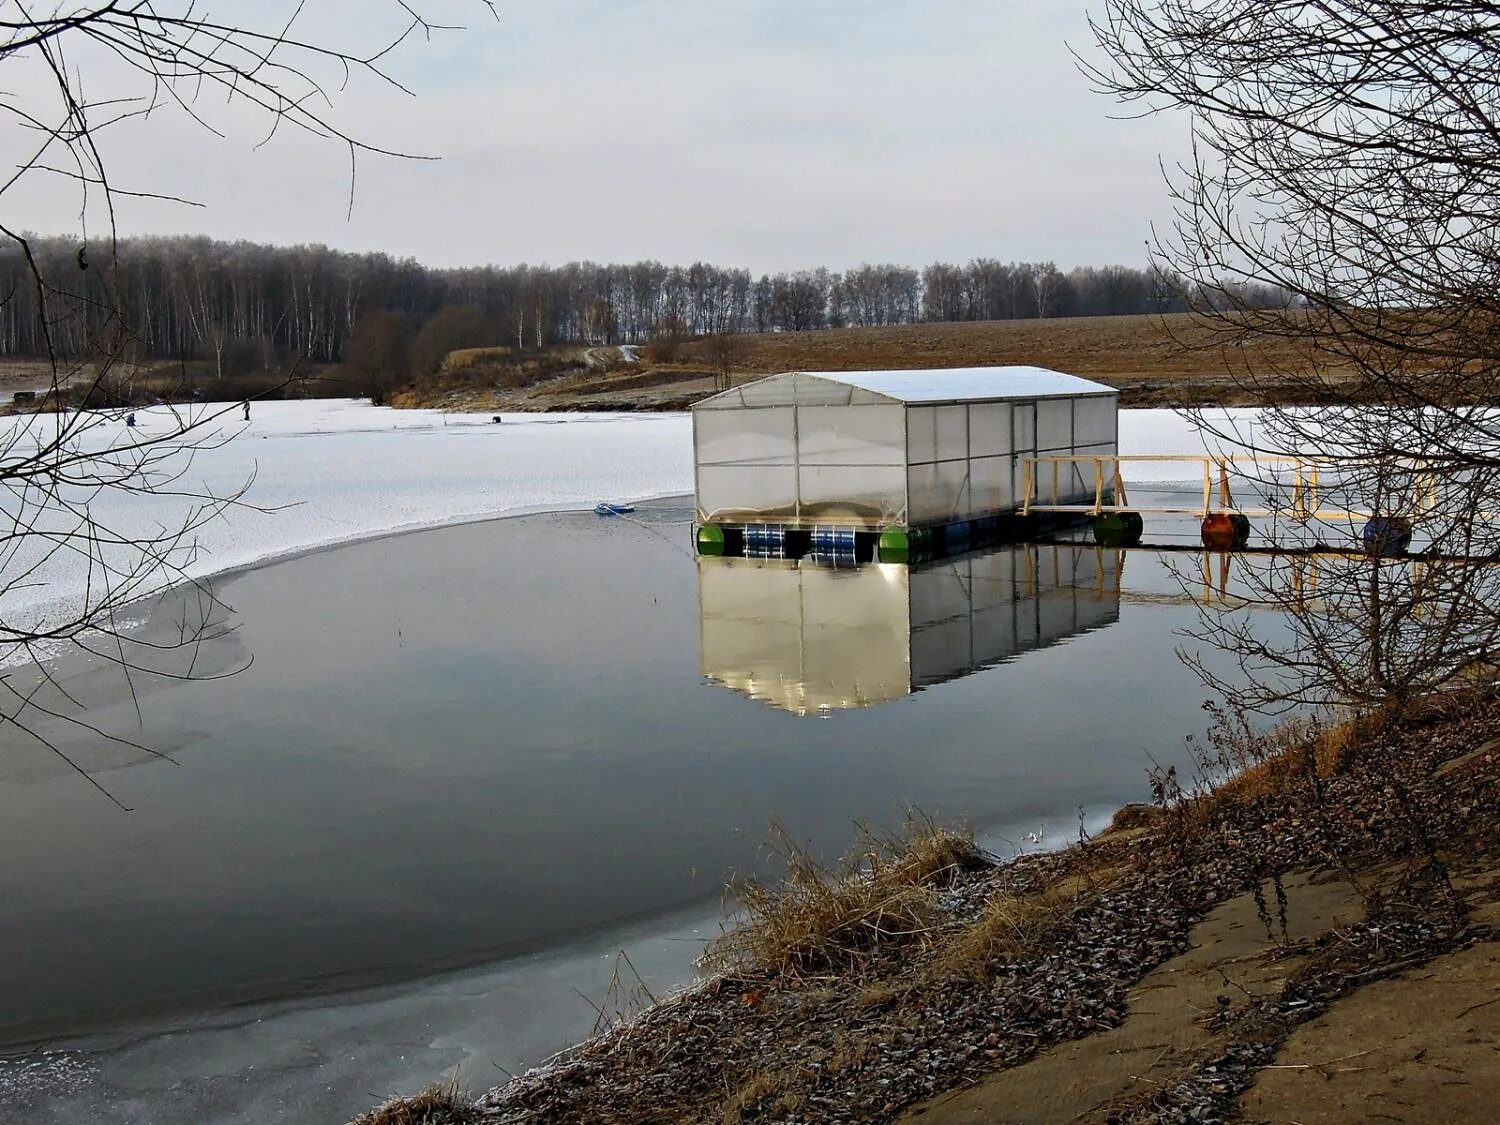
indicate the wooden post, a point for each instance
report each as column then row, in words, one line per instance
column 1098, row 485
column 1207, row 488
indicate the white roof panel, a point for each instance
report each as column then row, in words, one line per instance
column 960, row 384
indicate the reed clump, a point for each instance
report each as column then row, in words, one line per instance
column 817, row 918
column 436, row 1105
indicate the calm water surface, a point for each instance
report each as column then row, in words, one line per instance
column 453, row 745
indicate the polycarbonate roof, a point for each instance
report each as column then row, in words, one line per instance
column 950, row 384
column 966, row 383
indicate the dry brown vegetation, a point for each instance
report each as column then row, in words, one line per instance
column 436, row 1105
column 814, row 919
column 1120, row 349
column 143, row 384
column 486, row 378
column 1155, row 360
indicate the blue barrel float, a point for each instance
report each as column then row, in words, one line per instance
column 833, row 546
column 765, row 541
column 1118, row 529
column 1387, row 535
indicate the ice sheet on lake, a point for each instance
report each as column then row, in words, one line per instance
column 330, row 471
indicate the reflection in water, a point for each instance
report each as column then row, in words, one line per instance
column 811, row 639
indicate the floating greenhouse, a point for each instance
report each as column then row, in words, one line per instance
column 840, row 461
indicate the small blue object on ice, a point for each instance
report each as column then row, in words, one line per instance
column 612, row 509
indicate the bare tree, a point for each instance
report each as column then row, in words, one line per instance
column 72, row 477
column 377, row 354
column 1347, row 155
column 725, row 350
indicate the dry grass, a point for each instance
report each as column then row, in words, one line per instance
column 780, row 1091
column 1118, row 348
column 465, row 358
column 1012, row 927
column 1272, row 763
column 1155, row 360
column 816, row 919
column 482, row 371
column 436, row 1105
column 1134, row 818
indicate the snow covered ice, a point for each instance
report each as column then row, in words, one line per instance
column 329, row 471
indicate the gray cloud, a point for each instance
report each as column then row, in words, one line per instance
column 768, row 133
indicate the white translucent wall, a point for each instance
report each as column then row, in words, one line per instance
column 798, row 450
column 961, row 461
column 746, row 463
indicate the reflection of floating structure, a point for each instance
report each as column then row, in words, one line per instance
column 811, row 639
column 891, row 464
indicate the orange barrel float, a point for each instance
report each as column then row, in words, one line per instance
column 1224, row 531
column 1118, row 529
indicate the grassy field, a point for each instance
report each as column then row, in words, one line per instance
column 1117, row 348
column 1154, row 360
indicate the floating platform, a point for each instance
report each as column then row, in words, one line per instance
column 847, row 546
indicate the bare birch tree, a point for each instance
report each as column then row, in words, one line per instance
column 73, row 477
column 1346, row 153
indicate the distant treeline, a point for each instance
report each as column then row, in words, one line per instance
column 246, row 306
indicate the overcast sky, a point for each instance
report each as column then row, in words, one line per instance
column 774, row 134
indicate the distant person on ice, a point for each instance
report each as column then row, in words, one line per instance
column 247, row 410
column 130, row 420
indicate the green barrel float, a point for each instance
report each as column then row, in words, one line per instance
column 1225, row 531
column 893, row 546
column 710, row 539
column 1118, row 529
column 903, row 545
column 920, row 544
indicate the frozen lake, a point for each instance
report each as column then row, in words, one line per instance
column 466, row 744
column 517, row 745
